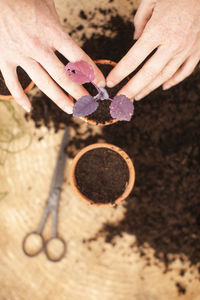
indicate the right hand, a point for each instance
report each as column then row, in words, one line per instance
column 172, row 28
column 30, row 32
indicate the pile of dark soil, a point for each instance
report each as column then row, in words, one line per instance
column 163, row 139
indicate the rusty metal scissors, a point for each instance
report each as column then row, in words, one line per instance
column 34, row 242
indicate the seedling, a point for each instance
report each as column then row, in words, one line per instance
column 81, row 72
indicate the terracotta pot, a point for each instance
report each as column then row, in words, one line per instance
column 101, row 62
column 10, row 97
column 126, row 158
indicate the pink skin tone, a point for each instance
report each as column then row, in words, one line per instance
column 173, row 27
column 30, row 32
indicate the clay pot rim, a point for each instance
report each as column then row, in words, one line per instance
column 26, row 90
column 103, row 62
column 126, row 158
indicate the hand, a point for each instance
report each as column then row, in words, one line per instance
column 30, row 32
column 173, row 27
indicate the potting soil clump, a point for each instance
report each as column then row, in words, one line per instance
column 163, row 140
column 101, row 175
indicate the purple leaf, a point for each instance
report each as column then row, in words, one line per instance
column 102, row 95
column 80, row 71
column 121, row 108
column 85, row 106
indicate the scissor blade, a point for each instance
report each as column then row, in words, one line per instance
column 58, row 175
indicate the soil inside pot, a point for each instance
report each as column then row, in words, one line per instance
column 102, row 175
column 24, row 79
column 102, row 114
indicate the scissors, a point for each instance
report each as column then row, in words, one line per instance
column 34, row 242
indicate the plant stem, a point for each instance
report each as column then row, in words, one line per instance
column 99, row 91
column 97, row 88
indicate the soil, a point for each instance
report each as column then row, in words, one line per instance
column 163, row 140
column 24, row 79
column 46, row 113
column 101, row 46
column 181, row 289
column 97, row 175
column 102, row 114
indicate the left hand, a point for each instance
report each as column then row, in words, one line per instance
column 30, row 32
column 173, row 27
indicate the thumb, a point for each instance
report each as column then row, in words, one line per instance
column 142, row 16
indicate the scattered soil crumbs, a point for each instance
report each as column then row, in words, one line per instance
column 181, row 289
column 182, row 272
column 163, row 139
column 46, row 112
column 97, row 175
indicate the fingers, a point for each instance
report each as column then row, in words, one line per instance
column 11, row 79
column 164, row 75
column 129, row 63
column 67, row 47
column 46, row 84
column 148, row 73
column 186, row 69
column 56, row 70
column 142, row 16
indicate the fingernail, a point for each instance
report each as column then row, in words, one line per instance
column 166, row 87
column 26, row 107
column 135, row 35
column 68, row 109
column 110, row 84
column 101, row 84
column 138, row 97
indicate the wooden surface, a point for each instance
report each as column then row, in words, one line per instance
column 89, row 271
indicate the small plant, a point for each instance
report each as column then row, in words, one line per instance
column 81, row 72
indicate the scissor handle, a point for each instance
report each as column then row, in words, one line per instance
column 33, row 243
column 58, row 252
